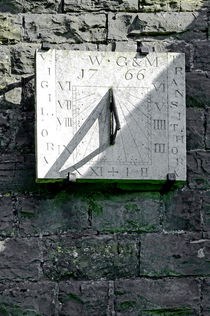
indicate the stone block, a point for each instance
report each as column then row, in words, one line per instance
column 193, row 5
column 201, row 55
column 10, row 92
column 207, row 136
column 123, row 26
column 159, row 5
column 83, row 298
column 109, row 257
column 19, row 259
column 198, row 164
column 197, row 89
column 91, row 5
column 22, row 6
column 24, row 137
column 22, row 57
column 205, row 288
column 131, row 212
column 17, row 172
column 61, row 28
column 169, row 296
column 182, row 211
column 195, row 128
column 5, row 63
column 205, row 211
column 174, row 255
column 7, row 130
column 181, row 46
column 64, row 212
column 125, row 47
column 11, row 29
column 7, row 218
column 28, row 93
column 27, row 298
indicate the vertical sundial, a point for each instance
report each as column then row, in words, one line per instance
column 110, row 115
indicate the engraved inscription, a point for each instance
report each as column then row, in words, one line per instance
column 76, row 116
column 160, row 148
column 159, row 124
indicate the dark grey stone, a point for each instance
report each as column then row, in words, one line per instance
column 91, row 257
column 201, row 55
column 83, row 298
column 7, row 216
column 64, row 212
column 198, row 164
column 174, row 255
column 197, row 89
column 28, row 298
column 19, row 259
column 195, row 128
column 207, row 136
column 131, row 212
column 206, row 294
column 205, row 211
column 182, row 211
column 167, row 296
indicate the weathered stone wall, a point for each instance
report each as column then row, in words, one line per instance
column 102, row 249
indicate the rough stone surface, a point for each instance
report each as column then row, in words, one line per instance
column 109, row 257
column 205, row 294
column 195, row 129
column 207, row 136
column 83, row 298
column 6, row 224
column 72, row 28
column 123, row 26
column 140, row 213
column 159, row 5
column 19, row 259
column 178, row 254
column 201, row 56
column 28, row 298
column 205, row 212
column 91, row 5
column 5, row 63
column 198, row 163
column 10, row 32
column 64, row 212
column 23, row 59
column 167, row 296
column 182, row 211
column 197, row 84
column 21, row 6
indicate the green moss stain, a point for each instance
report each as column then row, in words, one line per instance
column 127, row 305
column 169, row 312
column 75, row 298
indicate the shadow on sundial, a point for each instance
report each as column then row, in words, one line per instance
column 101, row 113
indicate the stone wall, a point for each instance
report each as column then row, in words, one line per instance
column 69, row 249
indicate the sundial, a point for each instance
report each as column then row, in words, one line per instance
column 110, row 115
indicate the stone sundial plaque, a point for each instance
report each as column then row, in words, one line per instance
column 110, row 115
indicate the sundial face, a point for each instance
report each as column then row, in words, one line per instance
column 76, row 92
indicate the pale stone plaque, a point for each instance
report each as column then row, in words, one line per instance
column 83, row 97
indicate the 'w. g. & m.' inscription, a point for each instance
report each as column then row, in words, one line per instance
column 110, row 115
